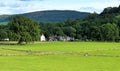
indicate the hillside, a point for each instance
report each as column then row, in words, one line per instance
column 4, row 18
column 3, row 23
column 56, row 15
column 51, row 16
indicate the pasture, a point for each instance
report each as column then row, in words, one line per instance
column 61, row 56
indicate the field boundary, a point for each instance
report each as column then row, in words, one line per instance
column 40, row 53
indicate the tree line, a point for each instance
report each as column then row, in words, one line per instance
column 96, row 27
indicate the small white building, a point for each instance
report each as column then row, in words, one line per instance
column 42, row 38
column 6, row 39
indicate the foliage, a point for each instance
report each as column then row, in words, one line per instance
column 3, row 32
column 111, row 32
column 23, row 29
column 95, row 27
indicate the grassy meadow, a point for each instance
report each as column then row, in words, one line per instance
column 61, row 56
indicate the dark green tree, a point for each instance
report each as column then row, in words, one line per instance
column 3, row 34
column 47, row 29
column 95, row 33
column 23, row 29
column 58, row 31
column 69, row 31
column 110, row 32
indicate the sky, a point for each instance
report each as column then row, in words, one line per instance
column 25, row 6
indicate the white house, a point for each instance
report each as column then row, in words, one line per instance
column 6, row 39
column 42, row 38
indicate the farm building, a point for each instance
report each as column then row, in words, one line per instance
column 42, row 38
column 61, row 38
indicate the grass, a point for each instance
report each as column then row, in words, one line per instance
column 59, row 63
column 103, row 56
column 3, row 23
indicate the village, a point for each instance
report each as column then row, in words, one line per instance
column 56, row 38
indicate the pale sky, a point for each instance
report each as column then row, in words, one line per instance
column 24, row 6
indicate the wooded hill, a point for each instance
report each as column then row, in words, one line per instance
column 4, row 18
column 50, row 15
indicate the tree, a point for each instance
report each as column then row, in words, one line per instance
column 85, row 32
column 110, row 32
column 69, row 31
column 95, row 33
column 24, row 29
column 58, row 31
column 47, row 29
column 78, row 31
column 3, row 34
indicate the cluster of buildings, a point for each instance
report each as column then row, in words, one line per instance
column 52, row 38
column 57, row 38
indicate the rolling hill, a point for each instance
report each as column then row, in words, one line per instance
column 4, row 18
column 50, row 15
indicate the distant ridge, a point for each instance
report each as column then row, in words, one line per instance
column 51, row 15
column 56, row 15
column 4, row 18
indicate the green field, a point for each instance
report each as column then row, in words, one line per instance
column 61, row 56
